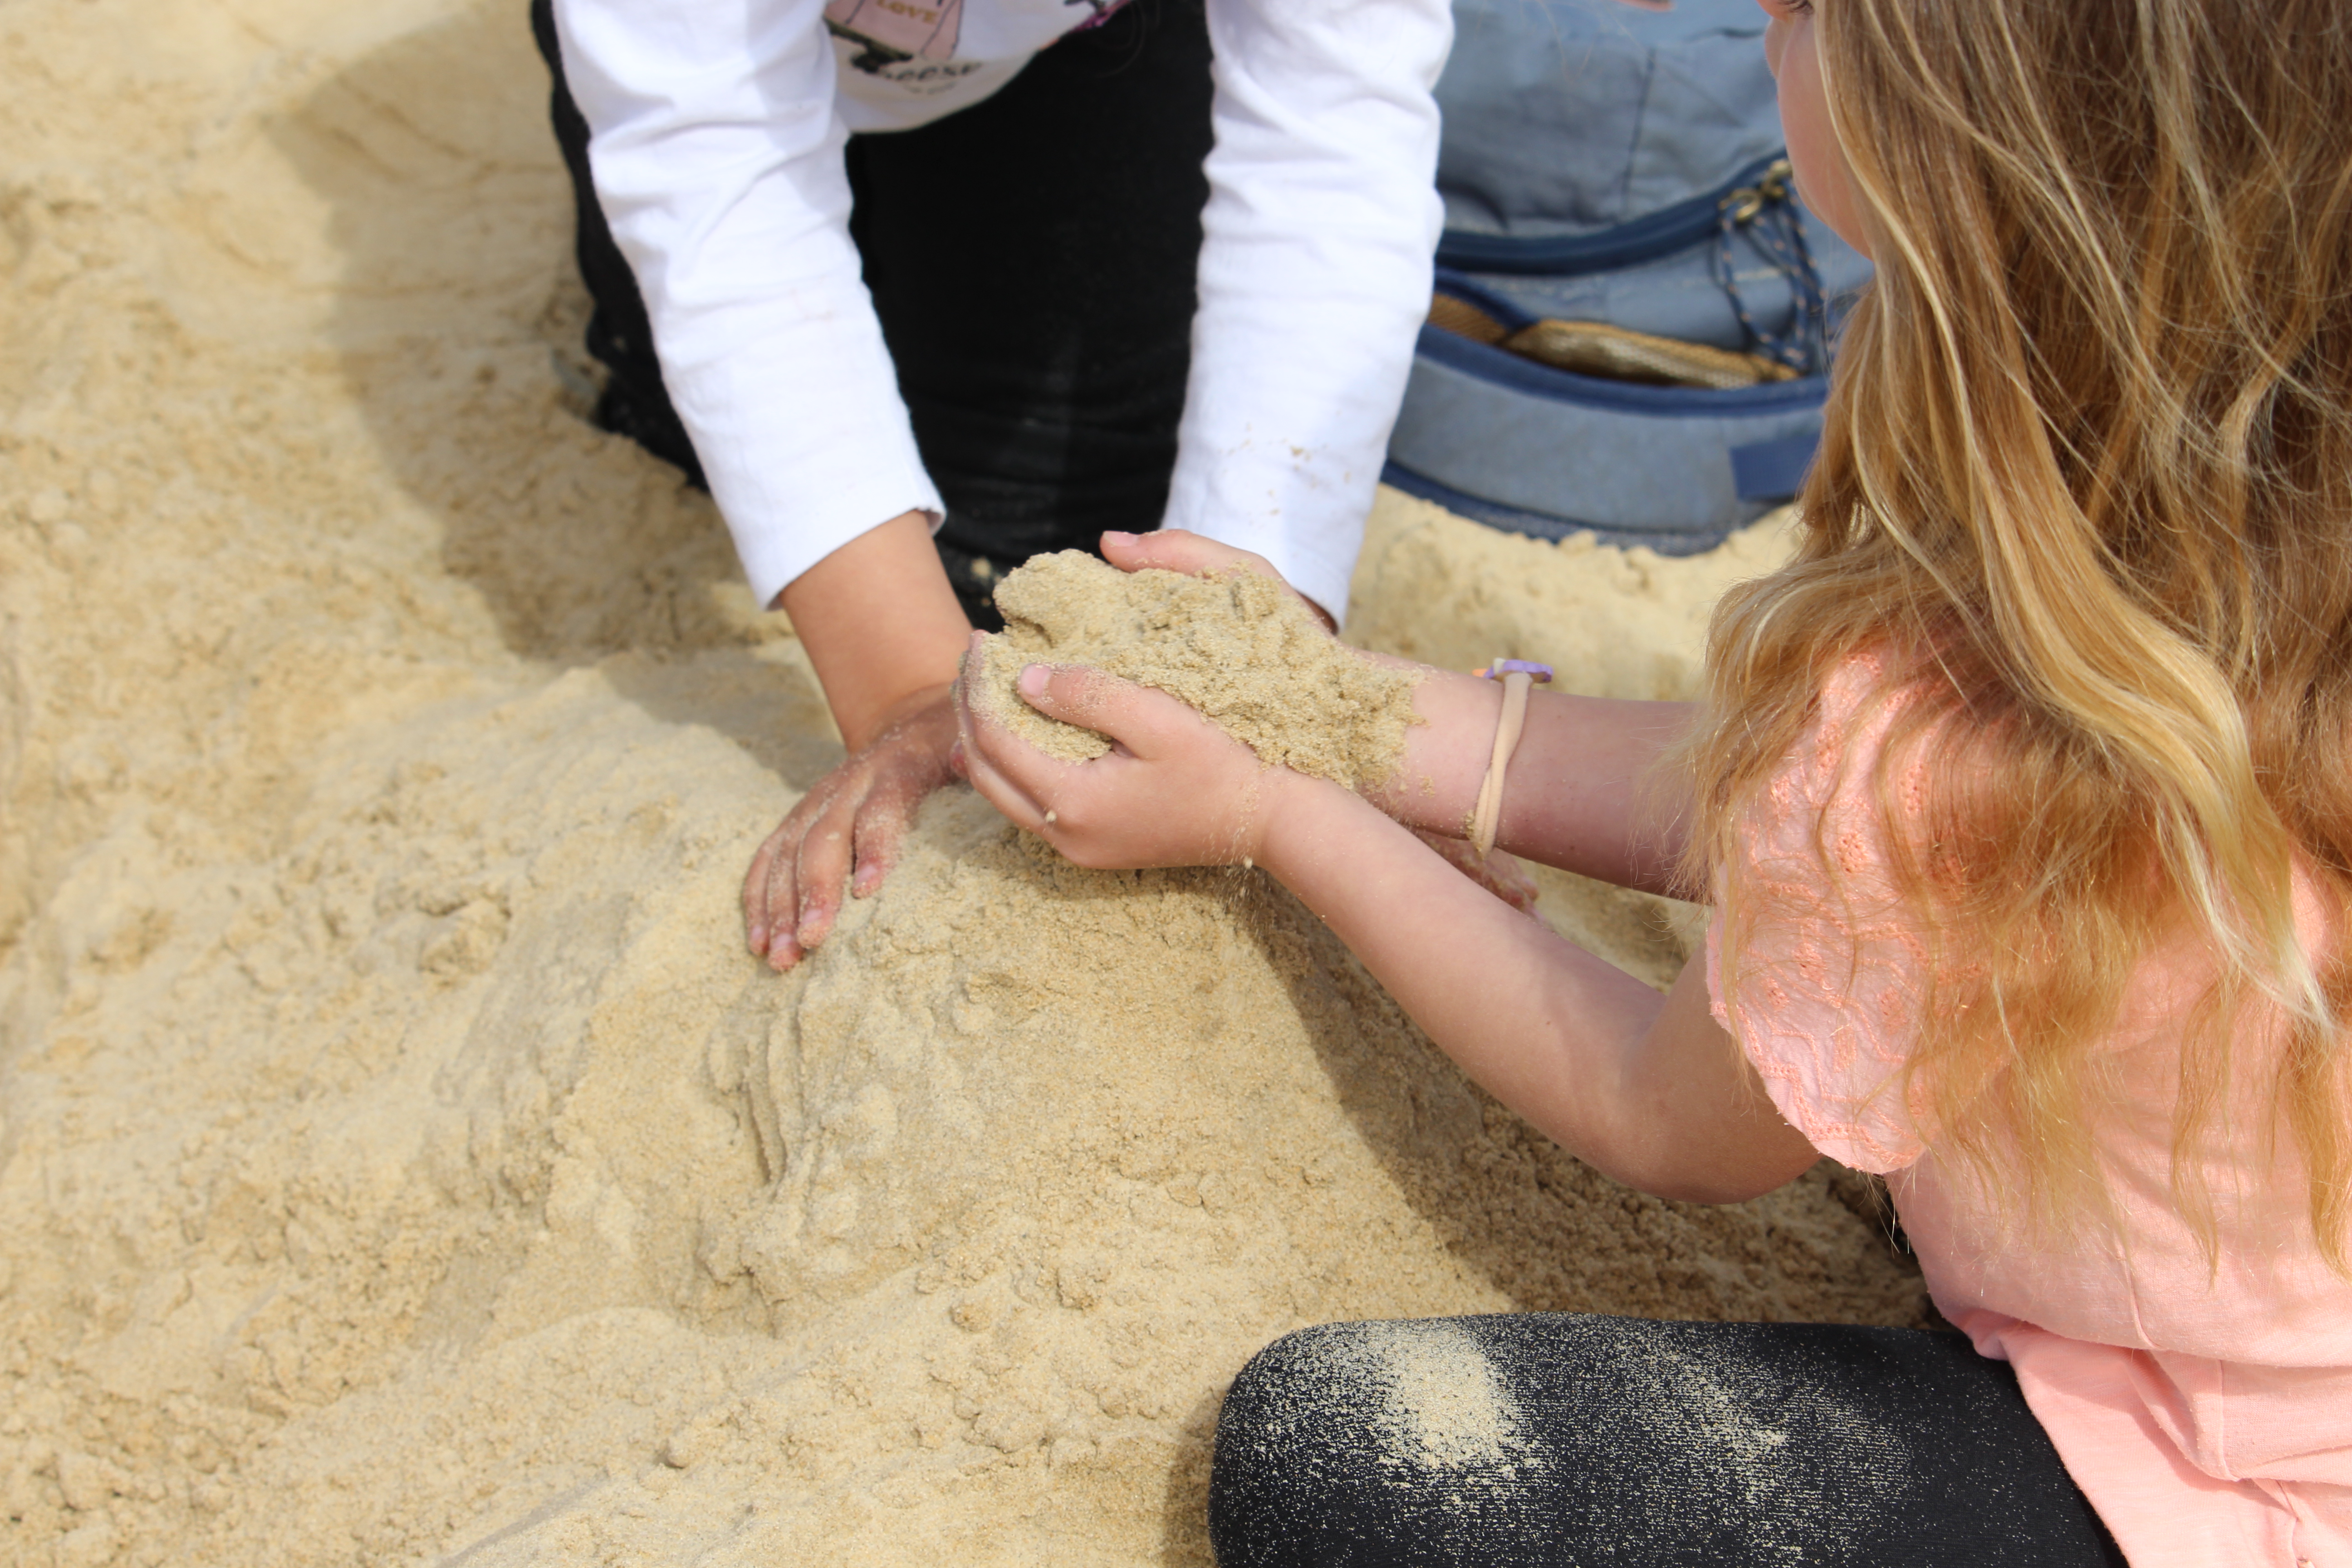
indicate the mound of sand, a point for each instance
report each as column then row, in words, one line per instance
column 403, row 1162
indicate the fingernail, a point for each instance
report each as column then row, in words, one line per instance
column 956, row 763
column 868, row 878
column 1114, row 534
column 784, row 954
column 758, row 939
column 1034, row 679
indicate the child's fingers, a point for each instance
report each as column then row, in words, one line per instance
column 1195, row 555
column 779, row 897
column 771, row 886
column 996, row 780
column 757, row 927
column 878, row 831
column 1145, row 722
column 824, row 868
column 968, row 679
column 1009, row 772
column 820, row 867
column 1174, row 550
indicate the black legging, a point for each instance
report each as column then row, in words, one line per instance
column 1557, row 1439
column 1032, row 260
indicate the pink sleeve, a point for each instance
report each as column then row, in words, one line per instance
column 1823, row 986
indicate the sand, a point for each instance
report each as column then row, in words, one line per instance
column 1239, row 648
column 402, row 1161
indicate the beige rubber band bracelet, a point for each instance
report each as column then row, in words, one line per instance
column 1518, row 676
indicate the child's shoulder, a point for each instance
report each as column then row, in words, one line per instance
column 1880, row 721
column 1814, row 961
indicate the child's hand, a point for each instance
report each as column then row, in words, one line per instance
column 1174, row 790
column 862, row 810
column 1195, row 555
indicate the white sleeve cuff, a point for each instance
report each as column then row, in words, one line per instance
column 773, row 558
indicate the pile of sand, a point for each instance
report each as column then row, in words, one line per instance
column 402, row 1160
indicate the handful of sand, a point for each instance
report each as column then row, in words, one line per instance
column 1241, row 648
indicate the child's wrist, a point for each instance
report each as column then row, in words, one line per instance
column 866, row 728
column 1295, row 816
column 1436, row 783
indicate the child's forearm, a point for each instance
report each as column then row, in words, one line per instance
column 1644, row 1088
column 880, row 625
column 1579, row 793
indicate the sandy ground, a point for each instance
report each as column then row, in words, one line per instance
column 401, row 1161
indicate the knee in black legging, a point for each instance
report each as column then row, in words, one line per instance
column 1369, row 1443
column 1543, row 1438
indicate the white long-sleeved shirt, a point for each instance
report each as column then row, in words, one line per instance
column 717, row 133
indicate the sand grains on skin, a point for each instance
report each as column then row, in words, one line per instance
column 1241, row 648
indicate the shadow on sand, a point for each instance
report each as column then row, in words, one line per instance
column 457, row 322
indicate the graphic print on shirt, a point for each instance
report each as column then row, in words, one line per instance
column 1104, row 10
column 896, row 31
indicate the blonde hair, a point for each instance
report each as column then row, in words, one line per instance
column 2087, row 475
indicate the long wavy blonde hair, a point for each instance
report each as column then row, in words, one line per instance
column 2087, row 473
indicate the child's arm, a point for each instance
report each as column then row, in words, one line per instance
column 884, row 631
column 1580, row 791
column 1646, row 1089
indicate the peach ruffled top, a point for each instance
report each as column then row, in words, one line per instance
column 2207, row 1416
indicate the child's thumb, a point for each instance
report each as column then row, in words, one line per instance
column 1144, row 721
column 1088, row 699
column 1071, row 693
